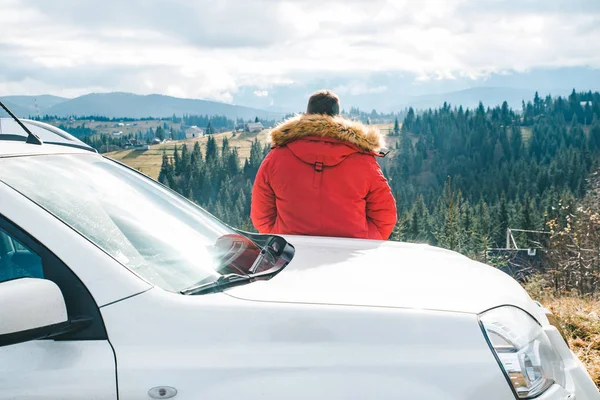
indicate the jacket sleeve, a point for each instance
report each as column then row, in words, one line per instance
column 381, row 205
column 263, row 210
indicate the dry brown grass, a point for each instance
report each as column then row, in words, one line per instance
column 581, row 323
column 580, row 320
column 149, row 161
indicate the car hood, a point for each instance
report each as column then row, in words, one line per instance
column 332, row 271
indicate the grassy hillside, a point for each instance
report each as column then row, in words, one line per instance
column 580, row 320
column 149, row 161
column 108, row 127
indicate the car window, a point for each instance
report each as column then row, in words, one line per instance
column 16, row 260
column 156, row 233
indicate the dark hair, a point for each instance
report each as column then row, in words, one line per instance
column 323, row 102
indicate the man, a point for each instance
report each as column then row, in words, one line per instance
column 321, row 177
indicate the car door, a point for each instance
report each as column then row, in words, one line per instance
column 77, row 365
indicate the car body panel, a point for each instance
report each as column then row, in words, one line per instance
column 388, row 274
column 578, row 380
column 48, row 369
column 15, row 149
column 217, row 347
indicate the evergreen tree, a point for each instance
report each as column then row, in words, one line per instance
column 448, row 231
column 160, row 133
column 407, row 125
column 233, row 167
column 527, row 220
column 176, row 160
column 594, row 136
column 211, row 150
column 537, row 105
column 482, row 234
column 253, row 163
column 505, row 114
column 185, row 159
column 516, row 142
column 396, row 127
column 166, row 175
column 225, row 148
column 503, row 218
column 196, row 157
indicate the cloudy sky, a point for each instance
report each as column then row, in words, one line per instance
column 245, row 50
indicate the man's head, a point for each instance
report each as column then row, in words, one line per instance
column 323, row 102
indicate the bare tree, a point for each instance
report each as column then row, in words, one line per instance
column 574, row 249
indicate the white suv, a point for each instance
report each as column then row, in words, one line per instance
column 114, row 287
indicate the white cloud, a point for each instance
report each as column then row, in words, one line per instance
column 201, row 49
column 358, row 88
column 261, row 93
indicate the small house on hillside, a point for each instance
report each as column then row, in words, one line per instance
column 194, row 132
column 254, row 127
column 130, row 143
column 141, row 147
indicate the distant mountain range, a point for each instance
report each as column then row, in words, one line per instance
column 16, row 109
column 119, row 105
column 397, row 101
column 383, row 91
column 394, row 90
column 23, row 106
column 470, row 98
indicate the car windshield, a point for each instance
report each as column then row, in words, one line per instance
column 154, row 232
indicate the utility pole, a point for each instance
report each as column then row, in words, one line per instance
column 37, row 108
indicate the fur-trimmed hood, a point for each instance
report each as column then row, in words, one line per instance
column 366, row 138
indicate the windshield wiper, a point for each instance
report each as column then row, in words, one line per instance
column 221, row 283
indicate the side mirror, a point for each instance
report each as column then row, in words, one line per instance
column 30, row 309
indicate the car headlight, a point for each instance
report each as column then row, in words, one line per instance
column 523, row 350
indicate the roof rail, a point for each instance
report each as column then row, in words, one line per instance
column 46, row 134
column 65, row 138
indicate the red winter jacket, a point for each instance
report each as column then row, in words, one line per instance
column 322, row 179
